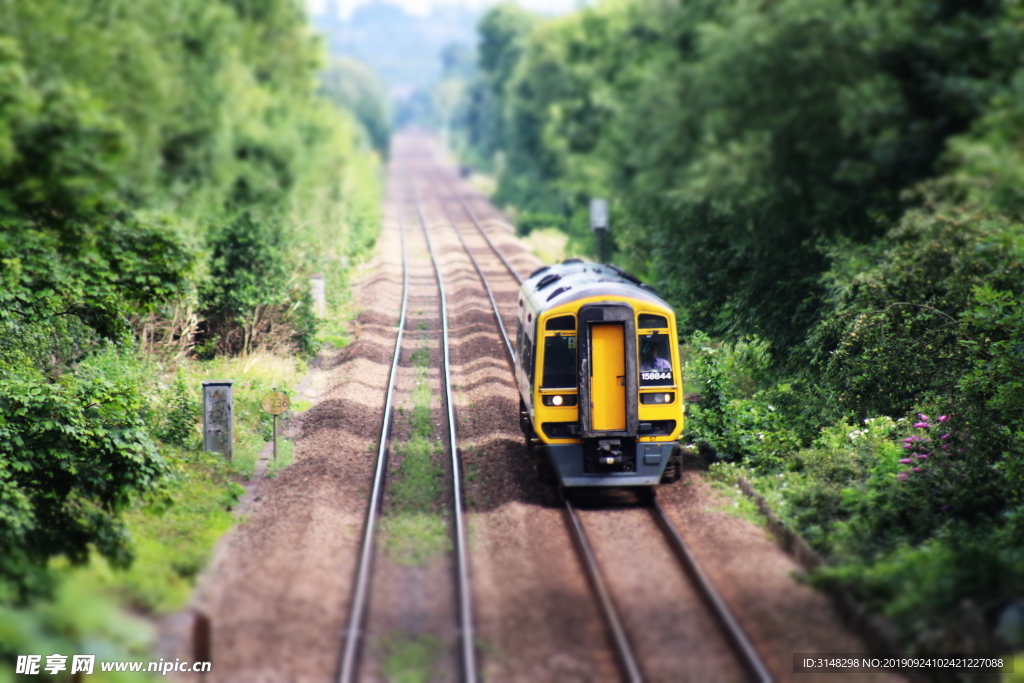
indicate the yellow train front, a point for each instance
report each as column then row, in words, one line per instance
column 597, row 364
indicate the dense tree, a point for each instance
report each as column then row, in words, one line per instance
column 741, row 138
column 480, row 122
column 136, row 139
column 831, row 189
column 353, row 86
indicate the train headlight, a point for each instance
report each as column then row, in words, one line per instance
column 556, row 400
column 559, row 400
column 657, row 398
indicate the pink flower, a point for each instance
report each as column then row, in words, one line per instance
column 902, row 476
column 945, row 436
column 909, row 445
column 923, row 416
column 917, row 469
column 922, row 456
column 921, row 425
column 907, row 461
column 943, row 418
column 911, row 439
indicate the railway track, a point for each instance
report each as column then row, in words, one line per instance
column 630, row 660
column 730, row 627
column 466, row 636
column 631, row 664
column 359, row 605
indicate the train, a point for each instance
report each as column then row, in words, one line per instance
column 597, row 366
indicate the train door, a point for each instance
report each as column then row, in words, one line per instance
column 608, row 376
column 606, row 362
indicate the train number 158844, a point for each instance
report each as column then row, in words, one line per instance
column 658, row 374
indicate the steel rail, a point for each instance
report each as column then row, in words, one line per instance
column 468, row 653
column 360, row 593
column 472, row 216
column 730, row 625
column 623, row 647
column 487, row 286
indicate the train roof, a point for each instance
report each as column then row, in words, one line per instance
column 575, row 279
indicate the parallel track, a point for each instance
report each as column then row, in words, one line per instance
column 631, row 669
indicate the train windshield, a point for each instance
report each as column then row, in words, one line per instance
column 655, row 360
column 559, row 362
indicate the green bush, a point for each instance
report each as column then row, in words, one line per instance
column 528, row 221
column 895, row 331
column 181, row 412
column 249, row 299
column 931, row 317
column 72, row 454
column 740, row 421
column 924, row 588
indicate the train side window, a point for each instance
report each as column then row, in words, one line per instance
column 649, row 321
column 528, row 357
column 559, row 362
column 655, row 360
column 565, row 323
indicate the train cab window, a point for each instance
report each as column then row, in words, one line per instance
column 655, row 360
column 562, row 323
column 649, row 321
column 559, row 361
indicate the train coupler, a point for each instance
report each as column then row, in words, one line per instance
column 609, row 456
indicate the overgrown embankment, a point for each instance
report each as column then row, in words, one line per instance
column 828, row 192
column 169, row 180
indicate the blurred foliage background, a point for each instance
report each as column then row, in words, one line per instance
column 171, row 173
column 829, row 193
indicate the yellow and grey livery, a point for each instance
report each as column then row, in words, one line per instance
column 597, row 364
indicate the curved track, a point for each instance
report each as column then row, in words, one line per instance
column 631, row 669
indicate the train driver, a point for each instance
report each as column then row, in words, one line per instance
column 653, row 360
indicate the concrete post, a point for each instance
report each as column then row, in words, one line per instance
column 218, row 413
